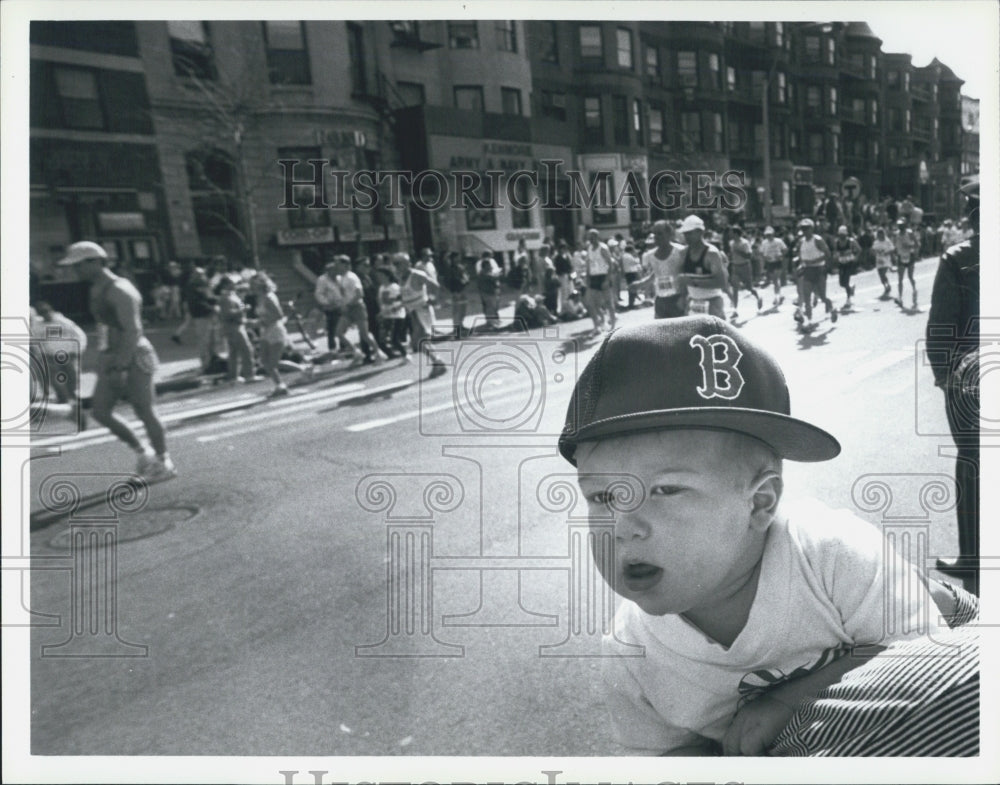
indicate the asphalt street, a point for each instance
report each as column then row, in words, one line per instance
column 384, row 565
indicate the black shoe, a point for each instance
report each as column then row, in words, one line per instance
column 438, row 369
column 833, row 316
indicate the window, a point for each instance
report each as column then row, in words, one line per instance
column 591, row 44
column 779, row 34
column 78, row 98
column 835, row 148
column 687, row 68
column 892, row 79
column 812, row 47
column 906, row 81
column 816, row 149
column 107, row 37
column 506, row 36
column 690, row 131
column 623, row 38
column 813, row 99
column 872, row 67
column 463, row 35
column 895, row 120
column 619, row 118
column 593, row 122
column 716, row 137
column 554, row 105
column 757, row 32
column 469, row 97
column 510, row 100
column 714, row 72
column 831, row 51
column 520, row 218
column 656, row 124
column 652, row 62
column 731, row 79
column 734, row 137
column 781, row 86
column 757, row 80
column 602, row 212
column 191, row 49
column 356, row 58
column 858, row 109
column 287, row 56
column 304, row 194
column 906, row 128
column 875, row 151
column 637, row 121
column 833, row 101
column 548, row 44
column 411, row 93
column 212, row 184
column 874, row 115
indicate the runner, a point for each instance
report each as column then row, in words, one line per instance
column 126, row 367
column 884, row 249
column 703, row 273
column 355, row 313
column 564, row 272
column 416, row 301
column 631, row 269
column 600, row 296
column 773, row 250
column 273, row 335
column 813, row 254
column 664, row 265
column 906, row 248
column 846, row 251
column 741, row 270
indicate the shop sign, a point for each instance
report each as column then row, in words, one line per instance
column 121, row 222
column 305, row 235
column 513, row 237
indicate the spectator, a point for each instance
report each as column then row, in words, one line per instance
column 61, row 343
column 355, row 313
column 563, row 262
column 232, row 318
column 331, row 300
column 456, row 280
column 416, row 301
column 531, row 312
column 488, row 284
column 392, row 315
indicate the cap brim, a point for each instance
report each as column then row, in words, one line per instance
column 793, row 439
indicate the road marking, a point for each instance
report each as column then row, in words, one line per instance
column 272, row 417
column 383, row 421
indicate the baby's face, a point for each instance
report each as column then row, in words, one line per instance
column 684, row 539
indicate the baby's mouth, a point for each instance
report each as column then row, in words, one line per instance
column 640, row 576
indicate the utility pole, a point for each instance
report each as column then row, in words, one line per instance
column 765, row 107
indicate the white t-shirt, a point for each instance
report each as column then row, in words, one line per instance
column 820, row 589
column 351, row 287
column 883, row 252
column 598, row 259
column 665, row 271
column 772, row 249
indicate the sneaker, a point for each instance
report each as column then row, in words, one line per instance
column 254, row 378
column 914, row 299
column 799, row 317
column 438, row 368
column 278, row 392
column 160, row 469
column 833, row 316
column 144, row 462
column 760, row 302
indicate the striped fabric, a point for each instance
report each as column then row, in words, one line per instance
column 917, row 698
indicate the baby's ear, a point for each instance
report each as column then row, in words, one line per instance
column 766, row 491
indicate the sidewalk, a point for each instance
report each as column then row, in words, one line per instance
column 180, row 366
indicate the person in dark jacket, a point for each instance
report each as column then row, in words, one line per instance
column 953, row 354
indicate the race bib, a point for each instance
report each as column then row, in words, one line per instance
column 665, row 286
column 698, row 306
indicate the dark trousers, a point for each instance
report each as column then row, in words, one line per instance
column 962, row 410
column 332, row 319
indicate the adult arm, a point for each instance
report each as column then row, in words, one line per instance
column 129, row 319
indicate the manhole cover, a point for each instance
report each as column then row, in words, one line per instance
column 131, row 526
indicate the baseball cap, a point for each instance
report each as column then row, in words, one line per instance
column 697, row 372
column 691, row 223
column 768, row 230
column 807, row 222
column 841, row 230
column 80, row 251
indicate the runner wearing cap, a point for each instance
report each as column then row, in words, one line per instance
column 678, row 429
column 773, row 250
column 703, row 271
column 813, row 254
column 741, row 269
column 846, row 251
column 126, row 367
column 884, row 250
column 600, row 296
column 906, row 249
column 663, row 264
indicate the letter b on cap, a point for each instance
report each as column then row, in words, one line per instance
column 720, row 378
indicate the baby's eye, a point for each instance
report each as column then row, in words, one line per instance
column 665, row 490
column 599, row 497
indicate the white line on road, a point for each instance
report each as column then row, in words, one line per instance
column 383, row 421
